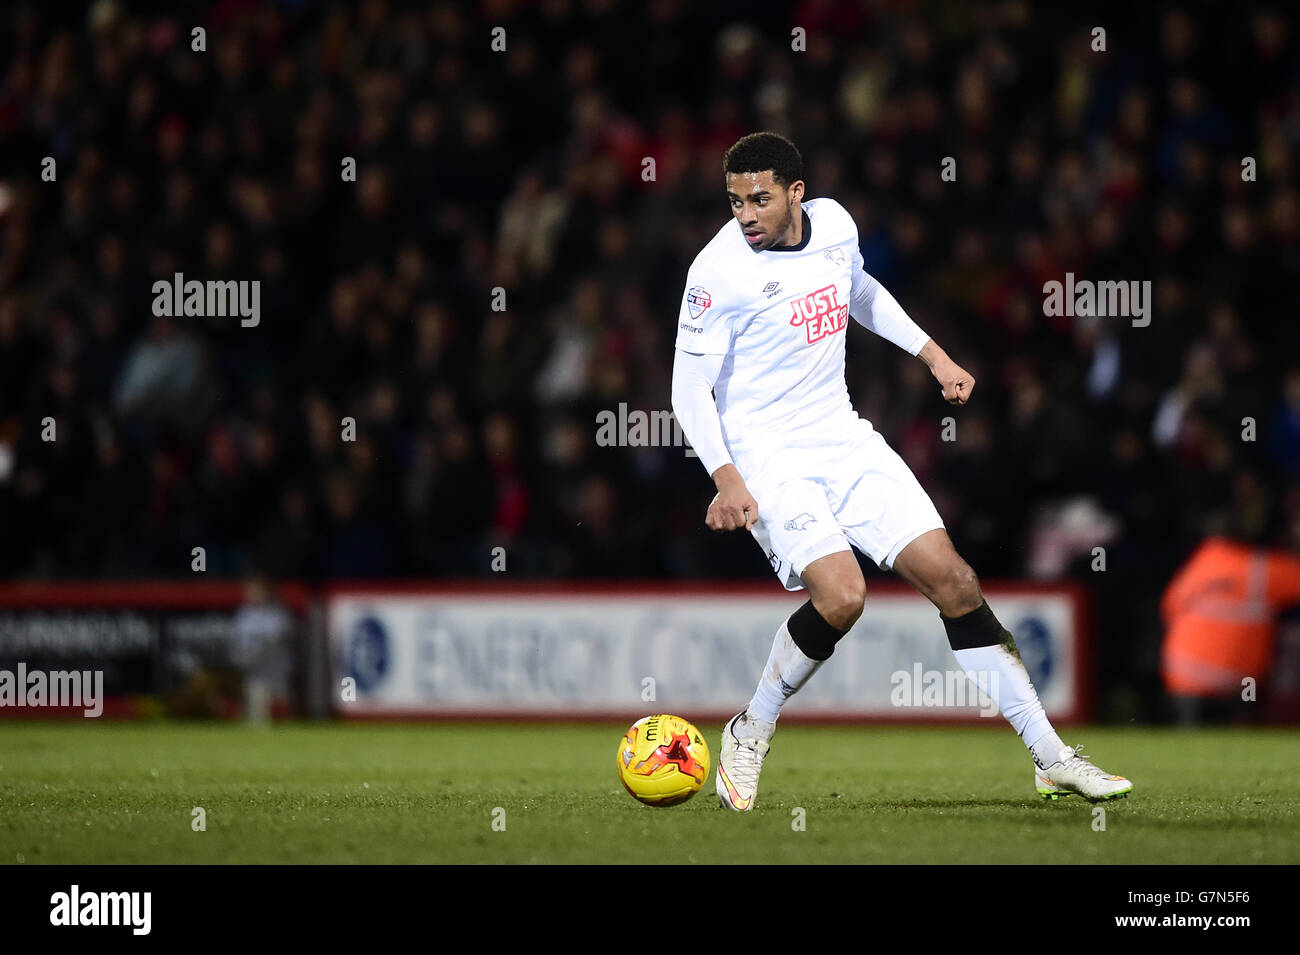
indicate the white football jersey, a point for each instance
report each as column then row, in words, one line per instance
column 780, row 317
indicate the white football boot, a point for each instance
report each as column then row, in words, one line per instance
column 1072, row 773
column 744, row 747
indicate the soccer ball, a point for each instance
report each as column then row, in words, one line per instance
column 662, row 760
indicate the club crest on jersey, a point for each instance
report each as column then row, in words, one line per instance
column 820, row 313
column 836, row 255
column 697, row 300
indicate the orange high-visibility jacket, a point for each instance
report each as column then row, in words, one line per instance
column 1220, row 613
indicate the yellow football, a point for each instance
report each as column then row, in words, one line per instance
column 662, row 760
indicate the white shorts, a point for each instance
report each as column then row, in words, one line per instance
column 818, row 494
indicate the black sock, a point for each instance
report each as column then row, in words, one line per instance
column 979, row 628
column 812, row 634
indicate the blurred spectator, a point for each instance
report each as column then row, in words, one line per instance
column 1220, row 613
column 263, row 632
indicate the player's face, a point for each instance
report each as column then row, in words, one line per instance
column 765, row 209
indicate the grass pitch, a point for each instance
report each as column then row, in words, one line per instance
column 429, row 793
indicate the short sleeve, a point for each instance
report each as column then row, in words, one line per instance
column 704, row 324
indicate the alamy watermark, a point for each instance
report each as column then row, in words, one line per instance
column 1088, row 299
column 129, row 909
column 919, row 687
column 66, row 688
column 640, row 429
column 209, row 299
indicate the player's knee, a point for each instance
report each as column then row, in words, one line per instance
column 844, row 602
column 959, row 590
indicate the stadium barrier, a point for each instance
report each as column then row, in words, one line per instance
column 622, row 650
column 480, row 650
column 157, row 647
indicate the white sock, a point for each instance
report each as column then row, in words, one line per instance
column 787, row 669
column 1014, row 694
column 1048, row 749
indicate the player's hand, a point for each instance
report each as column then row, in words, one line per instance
column 957, row 382
column 733, row 507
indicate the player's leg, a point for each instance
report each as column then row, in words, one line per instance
column 800, row 536
column 987, row 653
column 932, row 565
column 805, row 547
column 983, row 647
column 803, row 642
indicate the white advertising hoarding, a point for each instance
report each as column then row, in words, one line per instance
column 604, row 653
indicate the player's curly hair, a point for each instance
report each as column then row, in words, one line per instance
column 758, row 152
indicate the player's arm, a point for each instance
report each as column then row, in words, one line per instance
column 705, row 332
column 874, row 308
column 694, row 376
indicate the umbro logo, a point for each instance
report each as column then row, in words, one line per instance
column 772, row 289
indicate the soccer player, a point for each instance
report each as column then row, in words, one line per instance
column 758, row 387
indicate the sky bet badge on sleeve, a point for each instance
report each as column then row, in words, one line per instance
column 697, row 300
